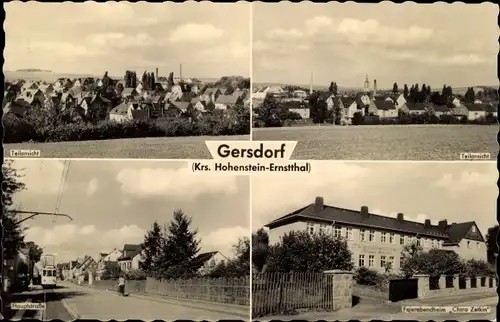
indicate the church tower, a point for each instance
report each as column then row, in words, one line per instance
column 367, row 85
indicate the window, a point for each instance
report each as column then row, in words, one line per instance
column 468, row 244
column 54, row 273
column 418, row 241
column 362, row 236
column 440, row 244
column 391, row 238
column 473, row 229
column 382, row 261
column 383, row 237
column 337, row 232
column 391, row 260
column 401, row 240
column 361, row 261
column 371, row 236
column 371, row 260
column 434, row 243
column 348, row 233
column 322, row 228
column 310, row 228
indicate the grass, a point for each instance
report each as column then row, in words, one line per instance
column 387, row 142
column 148, row 148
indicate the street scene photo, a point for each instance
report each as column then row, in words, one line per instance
column 120, row 240
column 384, row 81
column 154, row 81
column 376, row 241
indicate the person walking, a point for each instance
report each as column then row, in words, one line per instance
column 121, row 285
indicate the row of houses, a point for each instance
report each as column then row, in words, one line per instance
column 128, row 258
column 82, row 97
column 391, row 106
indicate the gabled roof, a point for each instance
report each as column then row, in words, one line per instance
column 416, row 106
column 384, row 105
column 121, row 109
column 441, row 108
column 183, row 106
column 330, row 214
column 227, row 99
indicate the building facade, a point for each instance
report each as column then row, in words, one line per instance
column 376, row 240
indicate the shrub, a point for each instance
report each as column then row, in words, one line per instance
column 40, row 127
column 136, row 275
column 365, row 276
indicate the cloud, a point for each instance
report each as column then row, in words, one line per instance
column 180, row 183
column 223, row 239
column 466, row 180
column 74, row 241
column 221, row 53
column 287, row 193
column 102, row 41
column 469, row 59
column 41, row 177
column 92, row 186
column 195, row 33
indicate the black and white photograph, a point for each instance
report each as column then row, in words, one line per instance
column 376, row 241
column 120, row 240
column 125, row 80
column 384, row 81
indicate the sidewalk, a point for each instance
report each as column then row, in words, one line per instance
column 232, row 310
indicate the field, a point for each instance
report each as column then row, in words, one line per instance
column 148, row 148
column 386, row 142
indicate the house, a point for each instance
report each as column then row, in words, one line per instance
column 476, row 111
column 104, row 258
column 492, row 109
column 459, row 112
column 85, row 265
column 34, row 97
column 46, row 89
column 376, row 240
column 299, row 94
column 176, row 92
column 129, row 92
column 262, row 92
column 298, row 107
column 223, row 102
column 456, row 101
column 400, row 101
column 413, row 108
column 204, row 263
column 93, row 103
column 29, row 86
column 127, row 112
column 211, row 94
column 440, row 110
column 131, row 257
column 177, row 108
column 68, row 100
column 139, row 88
column 349, row 107
column 385, row 108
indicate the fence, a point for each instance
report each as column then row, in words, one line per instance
column 220, row 290
column 275, row 293
column 453, row 285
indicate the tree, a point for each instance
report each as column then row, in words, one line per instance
column 152, row 245
column 260, row 249
column 491, row 244
column 299, row 251
column 333, row 88
column 106, row 81
column 171, row 79
column 395, row 89
column 13, row 233
column 111, row 271
column 405, row 91
column 153, row 81
column 181, row 247
column 133, row 82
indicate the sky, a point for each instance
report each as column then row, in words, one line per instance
column 454, row 44
column 113, row 203
column 90, row 38
column 458, row 192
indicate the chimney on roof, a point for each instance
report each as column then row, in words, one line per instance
column 364, row 212
column 427, row 223
column 401, row 217
column 443, row 224
column 319, row 204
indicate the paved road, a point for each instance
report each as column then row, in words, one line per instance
column 69, row 302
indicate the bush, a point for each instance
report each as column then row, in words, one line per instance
column 136, row 275
column 365, row 276
column 40, row 128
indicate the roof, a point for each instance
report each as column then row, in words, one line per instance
column 18, row 108
column 211, row 90
column 476, row 107
column 491, row 109
column 202, row 259
column 131, row 247
column 347, row 101
column 416, row 106
column 384, row 105
column 183, row 106
column 441, row 108
column 451, row 233
column 227, row 99
column 121, row 109
column 128, row 91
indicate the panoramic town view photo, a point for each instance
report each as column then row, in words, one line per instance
column 150, row 242
column 383, row 81
column 376, row 241
column 154, row 81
